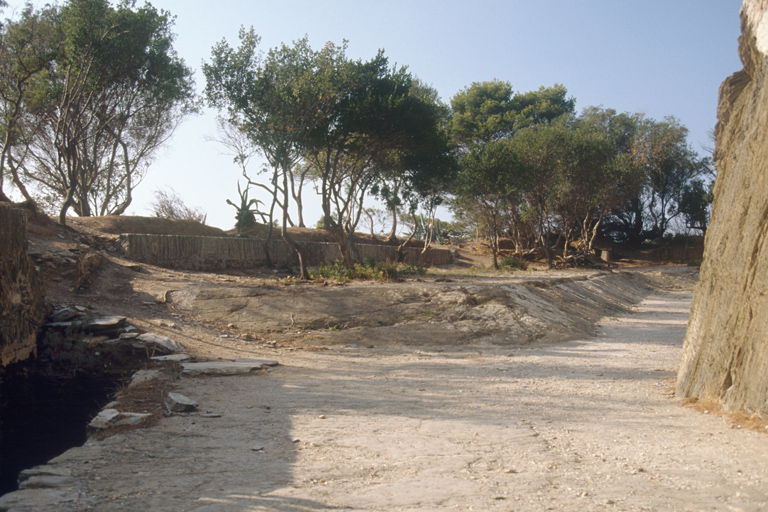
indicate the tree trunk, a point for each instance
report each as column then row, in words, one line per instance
column 303, row 273
column 337, row 232
column 393, row 231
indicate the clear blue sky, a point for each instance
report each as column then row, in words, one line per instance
column 659, row 57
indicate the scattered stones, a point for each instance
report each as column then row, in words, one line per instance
column 236, row 367
column 257, row 448
column 176, row 402
column 210, row 415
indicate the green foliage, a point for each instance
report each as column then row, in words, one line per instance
column 369, row 270
column 511, row 263
column 246, row 210
column 482, row 112
column 101, row 90
column 488, row 111
column 694, row 204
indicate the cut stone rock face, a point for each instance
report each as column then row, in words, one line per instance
column 725, row 354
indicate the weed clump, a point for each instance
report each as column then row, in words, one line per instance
column 369, row 270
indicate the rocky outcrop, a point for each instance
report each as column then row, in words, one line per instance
column 21, row 295
column 725, row 355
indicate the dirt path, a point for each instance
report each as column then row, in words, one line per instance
column 580, row 425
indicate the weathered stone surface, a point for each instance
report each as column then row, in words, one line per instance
column 160, row 342
column 40, row 471
column 725, row 355
column 177, row 402
column 33, row 500
column 22, row 306
column 236, row 367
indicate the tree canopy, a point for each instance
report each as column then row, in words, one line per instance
column 350, row 124
column 92, row 91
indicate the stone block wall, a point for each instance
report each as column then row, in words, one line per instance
column 213, row 253
column 22, row 305
column 725, row 354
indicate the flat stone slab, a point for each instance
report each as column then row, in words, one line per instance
column 45, row 476
column 106, row 323
column 164, row 343
column 144, row 376
column 177, row 402
column 173, row 357
column 112, row 417
column 236, row 367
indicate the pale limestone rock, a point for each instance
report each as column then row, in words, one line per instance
column 726, row 347
column 177, row 402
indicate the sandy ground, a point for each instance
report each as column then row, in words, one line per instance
column 587, row 424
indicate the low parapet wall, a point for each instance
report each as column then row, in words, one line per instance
column 22, row 304
column 214, row 253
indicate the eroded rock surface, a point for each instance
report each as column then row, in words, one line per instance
column 21, row 295
column 496, row 311
column 725, row 353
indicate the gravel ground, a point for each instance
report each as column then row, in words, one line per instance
column 587, row 424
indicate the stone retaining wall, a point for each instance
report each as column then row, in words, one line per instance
column 22, row 305
column 213, row 253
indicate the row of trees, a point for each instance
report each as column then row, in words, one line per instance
column 531, row 169
column 520, row 165
column 88, row 92
column 353, row 127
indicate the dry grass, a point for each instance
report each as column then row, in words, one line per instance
column 737, row 419
column 121, row 224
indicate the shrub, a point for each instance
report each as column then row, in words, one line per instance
column 513, row 263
